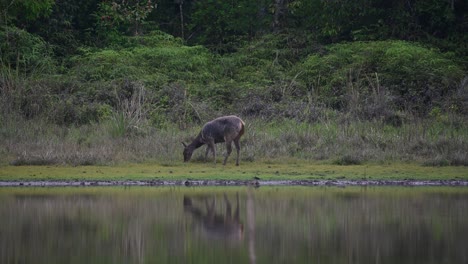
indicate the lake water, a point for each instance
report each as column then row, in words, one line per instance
column 234, row 225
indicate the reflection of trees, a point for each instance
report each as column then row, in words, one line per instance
column 283, row 225
column 134, row 240
column 251, row 225
column 87, row 229
column 343, row 226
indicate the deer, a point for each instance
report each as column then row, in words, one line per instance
column 225, row 129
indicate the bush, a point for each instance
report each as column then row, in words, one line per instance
column 23, row 52
column 23, row 56
column 348, row 160
column 416, row 77
column 156, row 59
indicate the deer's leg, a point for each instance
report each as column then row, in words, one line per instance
column 228, row 151
column 207, row 151
column 211, row 145
column 236, row 143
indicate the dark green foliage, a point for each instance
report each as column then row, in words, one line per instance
column 24, row 53
column 217, row 22
column 434, row 21
column 379, row 64
column 68, row 26
column 23, row 10
column 157, row 58
column 265, row 78
column 398, row 73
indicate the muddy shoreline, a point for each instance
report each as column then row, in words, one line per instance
column 255, row 183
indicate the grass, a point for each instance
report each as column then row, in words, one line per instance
column 269, row 170
column 281, row 150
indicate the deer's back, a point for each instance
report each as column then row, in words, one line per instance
column 222, row 127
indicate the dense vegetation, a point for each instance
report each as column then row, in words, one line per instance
column 349, row 81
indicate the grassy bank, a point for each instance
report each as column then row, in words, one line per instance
column 333, row 140
column 294, row 170
column 330, row 149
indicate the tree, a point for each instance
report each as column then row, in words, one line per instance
column 279, row 14
column 13, row 10
column 128, row 13
column 217, row 22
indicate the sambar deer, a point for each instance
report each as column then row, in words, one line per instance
column 226, row 129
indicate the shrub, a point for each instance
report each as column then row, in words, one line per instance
column 24, row 52
column 153, row 60
column 348, row 160
column 417, row 77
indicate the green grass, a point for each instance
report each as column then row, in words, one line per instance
column 269, row 170
column 288, row 147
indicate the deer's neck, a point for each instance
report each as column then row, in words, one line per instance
column 197, row 142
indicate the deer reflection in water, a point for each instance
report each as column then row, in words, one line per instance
column 217, row 225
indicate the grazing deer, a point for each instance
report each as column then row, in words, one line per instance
column 226, row 129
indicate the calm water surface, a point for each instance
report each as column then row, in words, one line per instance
column 234, row 225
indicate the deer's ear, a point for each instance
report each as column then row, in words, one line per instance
column 184, row 144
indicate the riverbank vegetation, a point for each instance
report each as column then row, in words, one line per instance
column 111, row 82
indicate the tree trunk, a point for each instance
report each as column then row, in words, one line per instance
column 279, row 14
column 181, row 20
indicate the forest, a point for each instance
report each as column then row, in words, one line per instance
column 348, row 82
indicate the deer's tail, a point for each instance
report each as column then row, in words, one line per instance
column 242, row 130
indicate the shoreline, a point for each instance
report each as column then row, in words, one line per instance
column 226, row 183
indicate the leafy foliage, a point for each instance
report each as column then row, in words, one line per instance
column 155, row 59
column 24, row 52
column 14, row 10
column 219, row 22
column 416, row 75
column 129, row 14
column 268, row 59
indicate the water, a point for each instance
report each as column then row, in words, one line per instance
column 234, row 225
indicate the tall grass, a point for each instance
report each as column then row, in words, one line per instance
column 360, row 141
column 423, row 141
